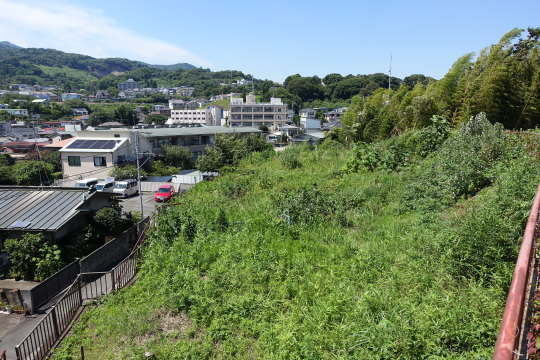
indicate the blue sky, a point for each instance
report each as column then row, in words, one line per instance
column 271, row 39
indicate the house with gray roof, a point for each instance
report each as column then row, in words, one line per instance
column 53, row 211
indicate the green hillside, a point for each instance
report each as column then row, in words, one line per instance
column 68, row 72
column 398, row 250
column 179, row 66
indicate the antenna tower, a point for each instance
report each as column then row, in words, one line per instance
column 390, row 72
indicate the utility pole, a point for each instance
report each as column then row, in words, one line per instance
column 138, row 170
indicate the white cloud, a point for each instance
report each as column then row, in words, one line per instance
column 85, row 31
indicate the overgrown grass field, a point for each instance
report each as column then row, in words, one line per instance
column 300, row 255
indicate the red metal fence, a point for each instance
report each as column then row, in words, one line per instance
column 511, row 333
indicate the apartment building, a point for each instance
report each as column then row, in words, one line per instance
column 130, row 84
column 210, row 116
column 253, row 114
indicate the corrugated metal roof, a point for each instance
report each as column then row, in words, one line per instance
column 46, row 209
column 193, row 131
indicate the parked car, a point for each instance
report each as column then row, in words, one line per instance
column 105, row 186
column 164, row 193
column 126, row 188
column 87, row 183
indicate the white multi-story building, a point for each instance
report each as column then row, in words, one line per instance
column 185, row 90
column 210, row 116
column 253, row 114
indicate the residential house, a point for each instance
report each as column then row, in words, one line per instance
column 185, row 91
column 158, row 107
column 334, row 124
column 335, row 114
column 102, row 95
column 5, row 128
column 307, row 113
column 177, row 104
column 70, row 96
column 47, row 95
column 94, row 153
column 79, row 111
column 53, row 212
column 19, row 147
column 192, row 105
column 310, row 124
column 16, row 112
column 126, row 94
column 55, row 146
column 253, row 114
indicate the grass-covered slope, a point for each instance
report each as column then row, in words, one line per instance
column 292, row 257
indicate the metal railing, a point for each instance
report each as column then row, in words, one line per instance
column 38, row 343
column 50, row 287
column 511, row 334
column 87, row 286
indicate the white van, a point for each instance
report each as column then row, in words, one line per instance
column 105, row 186
column 126, row 188
column 87, row 183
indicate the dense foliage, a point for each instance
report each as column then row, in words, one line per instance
column 503, row 81
column 32, row 257
column 319, row 260
column 228, row 150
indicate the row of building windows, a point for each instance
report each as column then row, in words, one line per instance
column 196, row 119
column 76, row 161
column 250, row 124
column 255, row 117
column 255, row 109
column 182, row 141
column 189, row 113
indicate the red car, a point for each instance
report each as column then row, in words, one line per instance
column 164, row 193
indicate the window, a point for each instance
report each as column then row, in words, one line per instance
column 193, row 140
column 100, row 161
column 74, row 160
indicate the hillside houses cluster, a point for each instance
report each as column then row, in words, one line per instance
column 131, row 89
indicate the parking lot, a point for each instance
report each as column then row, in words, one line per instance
column 133, row 203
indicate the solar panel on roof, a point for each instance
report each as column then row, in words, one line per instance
column 92, row 144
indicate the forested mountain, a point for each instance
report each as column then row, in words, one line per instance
column 179, row 66
column 8, row 45
column 503, row 81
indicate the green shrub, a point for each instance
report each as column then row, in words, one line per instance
column 331, row 145
column 32, row 173
column 122, row 172
column 461, row 167
column 177, row 156
column 31, row 257
column 289, row 159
